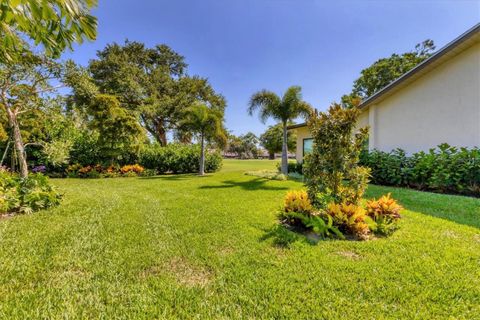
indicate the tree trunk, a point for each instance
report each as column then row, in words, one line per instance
column 5, row 152
column 284, row 150
column 202, row 156
column 162, row 136
column 18, row 142
column 271, row 155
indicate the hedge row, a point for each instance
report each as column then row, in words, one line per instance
column 178, row 158
column 444, row 169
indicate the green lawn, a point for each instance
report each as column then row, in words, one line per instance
column 187, row 246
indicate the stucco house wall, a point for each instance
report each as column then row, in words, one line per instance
column 302, row 133
column 441, row 106
column 436, row 102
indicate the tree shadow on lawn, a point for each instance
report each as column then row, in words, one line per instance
column 283, row 237
column 459, row 209
column 176, row 176
column 250, row 185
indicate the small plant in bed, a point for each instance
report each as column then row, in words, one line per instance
column 25, row 195
column 299, row 215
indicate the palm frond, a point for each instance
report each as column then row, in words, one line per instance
column 266, row 102
column 304, row 109
column 293, row 105
column 292, row 95
column 199, row 118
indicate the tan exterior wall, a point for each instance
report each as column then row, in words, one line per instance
column 363, row 119
column 441, row 106
column 302, row 133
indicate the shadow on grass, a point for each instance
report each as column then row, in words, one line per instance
column 176, row 177
column 251, row 185
column 459, row 209
column 282, row 237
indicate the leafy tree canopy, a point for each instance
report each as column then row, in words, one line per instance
column 118, row 130
column 56, row 24
column 114, row 129
column 386, row 70
column 243, row 146
column 272, row 140
column 24, row 86
column 153, row 83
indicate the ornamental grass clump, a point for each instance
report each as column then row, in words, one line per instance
column 336, row 183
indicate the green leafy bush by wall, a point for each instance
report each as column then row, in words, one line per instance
column 444, row 169
column 178, row 158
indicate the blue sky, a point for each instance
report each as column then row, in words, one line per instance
column 243, row 46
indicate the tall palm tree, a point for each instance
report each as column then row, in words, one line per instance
column 284, row 109
column 208, row 124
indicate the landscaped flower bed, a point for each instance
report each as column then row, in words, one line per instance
column 333, row 204
column 345, row 220
column 99, row 171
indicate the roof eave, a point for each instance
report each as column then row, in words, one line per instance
column 296, row 126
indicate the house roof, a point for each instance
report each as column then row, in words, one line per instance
column 294, row 126
column 464, row 41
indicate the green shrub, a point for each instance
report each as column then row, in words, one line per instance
column 26, row 195
column 178, row 158
column 386, row 168
column 295, row 176
column 148, row 173
column 85, row 150
column 443, row 169
column 213, row 161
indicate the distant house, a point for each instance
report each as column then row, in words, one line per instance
column 437, row 101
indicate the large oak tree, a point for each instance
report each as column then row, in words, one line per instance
column 153, row 83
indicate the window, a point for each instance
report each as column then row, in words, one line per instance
column 307, row 146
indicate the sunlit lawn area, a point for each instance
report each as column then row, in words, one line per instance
column 187, row 246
